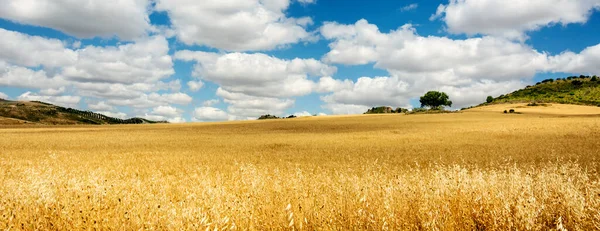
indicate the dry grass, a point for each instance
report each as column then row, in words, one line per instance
column 476, row 170
column 550, row 109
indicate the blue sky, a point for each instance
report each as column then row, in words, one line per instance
column 213, row 60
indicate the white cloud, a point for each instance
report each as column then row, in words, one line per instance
column 210, row 114
column 369, row 92
column 258, row 84
column 84, row 19
column 512, row 18
column 153, row 100
column 32, row 51
column 145, row 61
column 329, row 84
column 175, row 98
column 409, row 7
column 418, row 64
column 477, row 92
column 125, row 75
column 247, row 106
column 195, row 85
column 345, row 109
column 129, row 73
column 235, row 25
column 257, row 74
column 307, row 1
column 302, row 114
column 163, row 118
column 76, row 44
column 210, row 103
column 584, row 62
column 167, row 111
column 3, row 96
column 123, row 91
column 53, row 91
column 65, row 100
column 378, row 91
column 16, row 76
column 176, row 120
column 100, row 106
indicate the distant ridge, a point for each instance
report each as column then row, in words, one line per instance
column 37, row 112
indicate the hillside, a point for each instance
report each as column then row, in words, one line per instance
column 35, row 112
column 582, row 90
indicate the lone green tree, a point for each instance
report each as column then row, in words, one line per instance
column 489, row 99
column 435, row 100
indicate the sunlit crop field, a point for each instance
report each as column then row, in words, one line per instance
column 464, row 171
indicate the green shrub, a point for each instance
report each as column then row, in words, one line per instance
column 419, row 109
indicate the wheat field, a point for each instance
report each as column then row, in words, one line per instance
column 477, row 170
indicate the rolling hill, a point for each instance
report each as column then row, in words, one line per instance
column 35, row 112
column 581, row 90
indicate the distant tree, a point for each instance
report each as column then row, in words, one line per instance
column 435, row 100
column 548, row 81
column 489, row 99
column 594, row 78
column 267, row 117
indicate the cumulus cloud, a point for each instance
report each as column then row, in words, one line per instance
column 409, row 7
column 129, row 74
column 83, row 19
column 16, row 76
column 65, row 100
column 195, row 85
column 329, row 84
column 33, row 51
column 345, row 109
column 53, row 91
column 302, row 114
column 167, row 111
column 100, row 106
column 244, row 106
column 307, row 1
column 235, row 25
column 3, row 96
column 584, row 62
column 257, row 74
column 511, row 18
column 153, row 100
column 376, row 91
column 257, row 84
column 144, row 61
column 210, row 114
column 211, row 102
column 163, row 118
column 417, row 64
